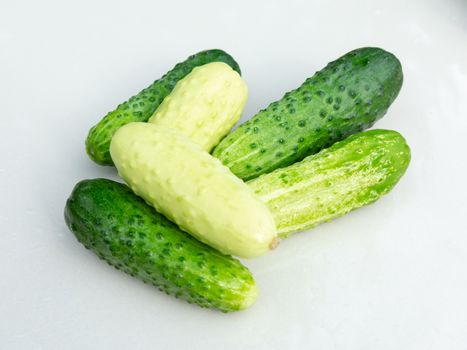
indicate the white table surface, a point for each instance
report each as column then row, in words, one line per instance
column 388, row 276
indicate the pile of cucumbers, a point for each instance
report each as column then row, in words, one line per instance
column 197, row 195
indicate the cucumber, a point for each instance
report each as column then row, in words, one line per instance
column 348, row 175
column 192, row 189
column 347, row 96
column 141, row 106
column 205, row 104
column 107, row 218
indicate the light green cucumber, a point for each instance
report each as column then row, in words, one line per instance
column 204, row 105
column 348, row 175
column 347, row 96
column 109, row 219
column 193, row 189
column 140, row 107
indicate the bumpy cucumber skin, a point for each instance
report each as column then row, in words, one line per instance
column 193, row 189
column 345, row 97
column 121, row 229
column 204, row 105
column 141, row 106
column 348, row 175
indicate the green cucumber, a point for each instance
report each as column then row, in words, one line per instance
column 348, row 175
column 107, row 218
column 204, row 105
column 347, row 96
column 141, row 106
column 193, row 189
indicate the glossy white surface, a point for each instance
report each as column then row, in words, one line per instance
column 389, row 276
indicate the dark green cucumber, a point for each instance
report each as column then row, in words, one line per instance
column 348, row 175
column 140, row 107
column 347, row 96
column 122, row 229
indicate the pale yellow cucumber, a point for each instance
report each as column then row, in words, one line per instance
column 205, row 104
column 193, row 189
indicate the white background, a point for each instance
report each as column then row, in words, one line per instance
column 388, row 276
